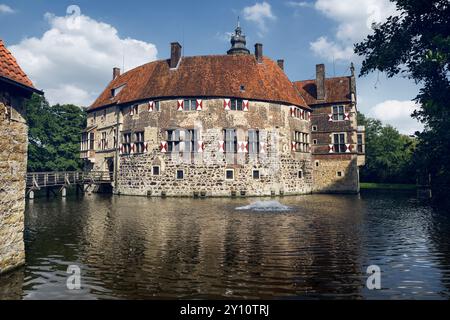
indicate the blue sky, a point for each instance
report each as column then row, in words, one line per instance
column 71, row 58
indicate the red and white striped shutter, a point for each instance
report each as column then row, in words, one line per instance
column 303, row 115
column 163, row 146
column 292, row 111
column 330, row 148
column 347, row 116
column 245, row 105
column 120, row 148
column 348, row 148
column 221, row 146
column 330, row 117
column 132, row 149
column 99, row 144
column 131, row 111
column 200, row 146
column 180, row 105
column 262, row 147
column 293, row 146
column 308, row 115
column 227, row 104
column 242, row 146
column 199, row 105
column 145, row 146
column 151, row 105
column 106, row 143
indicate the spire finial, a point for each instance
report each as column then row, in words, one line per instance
column 238, row 23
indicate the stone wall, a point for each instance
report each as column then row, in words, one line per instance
column 13, row 164
column 205, row 172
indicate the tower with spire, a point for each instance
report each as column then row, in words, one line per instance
column 238, row 41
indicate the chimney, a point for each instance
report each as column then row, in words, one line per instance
column 352, row 82
column 175, row 54
column 116, row 72
column 258, row 52
column 320, row 81
column 280, row 63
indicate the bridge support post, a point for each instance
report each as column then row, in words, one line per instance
column 31, row 195
column 63, row 192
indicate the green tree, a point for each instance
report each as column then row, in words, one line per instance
column 54, row 135
column 389, row 154
column 416, row 44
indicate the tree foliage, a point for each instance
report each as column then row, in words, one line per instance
column 54, row 135
column 389, row 154
column 416, row 44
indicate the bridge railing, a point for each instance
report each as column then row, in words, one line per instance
column 63, row 178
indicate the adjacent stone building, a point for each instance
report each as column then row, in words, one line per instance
column 219, row 125
column 15, row 87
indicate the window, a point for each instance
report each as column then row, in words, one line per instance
column 236, row 104
column 115, row 139
column 230, row 141
column 190, row 105
column 300, row 174
column 339, row 142
column 317, row 163
column 229, row 174
column 104, row 115
column 155, row 170
column 253, row 141
column 242, row 88
column 91, row 141
column 256, row 174
column 314, row 141
column 314, row 128
column 173, row 140
column 360, row 146
column 134, row 110
column 126, row 143
column 84, row 141
column 190, row 140
column 95, row 117
column 103, row 142
column 339, row 174
column 338, row 113
column 180, row 174
column 139, row 141
column 116, row 91
column 301, row 140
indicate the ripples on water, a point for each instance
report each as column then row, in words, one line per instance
column 140, row 248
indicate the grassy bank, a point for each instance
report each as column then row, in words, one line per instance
column 387, row 186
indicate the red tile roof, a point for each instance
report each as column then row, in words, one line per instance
column 10, row 69
column 336, row 90
column 204, row 76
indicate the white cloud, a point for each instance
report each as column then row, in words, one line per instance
column 72, row 63
column 260, row 14
column 331, row 50
column 301, row 4
column 5, row 8
column 354, row 20
column 398, row 114
column 223, row 36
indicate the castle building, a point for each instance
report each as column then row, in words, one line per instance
column 15, row 88
column 224, row 125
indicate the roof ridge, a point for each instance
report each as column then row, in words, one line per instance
column 10, row 69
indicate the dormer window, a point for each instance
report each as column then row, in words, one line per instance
column 242, row 88
column 116, row 91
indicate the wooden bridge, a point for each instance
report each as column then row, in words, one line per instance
column 50, row 181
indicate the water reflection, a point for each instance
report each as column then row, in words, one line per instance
column 140, row 248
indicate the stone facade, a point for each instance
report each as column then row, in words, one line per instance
column 13, row 165
column 279, row 169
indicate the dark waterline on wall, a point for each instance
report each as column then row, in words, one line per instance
column 149, row 248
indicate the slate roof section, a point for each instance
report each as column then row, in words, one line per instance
column 215, row 76
column 10, row 69
column 337, row 90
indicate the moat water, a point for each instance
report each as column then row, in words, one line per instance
column 142, row 248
